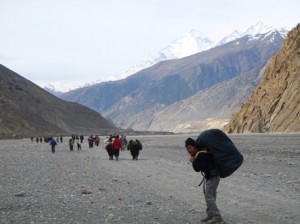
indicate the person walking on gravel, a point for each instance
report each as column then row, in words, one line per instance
column 116, row 146
column 53, row 143
column 203, row 161
column 78, row 144
column 71, row 144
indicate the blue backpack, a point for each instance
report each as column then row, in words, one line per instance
column 227, row 157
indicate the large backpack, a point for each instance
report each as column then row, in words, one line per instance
column 139, row 144
column 227, row 157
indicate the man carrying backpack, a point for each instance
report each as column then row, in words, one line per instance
column 203, row 162
column 215, row 155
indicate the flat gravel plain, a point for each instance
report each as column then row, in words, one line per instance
column 37, row 186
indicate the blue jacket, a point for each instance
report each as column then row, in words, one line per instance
column 53, row 142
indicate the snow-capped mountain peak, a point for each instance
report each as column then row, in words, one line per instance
column 254, row 30
column 189, row 43
column 258, row 28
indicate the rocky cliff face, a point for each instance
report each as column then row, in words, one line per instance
column 275, row 104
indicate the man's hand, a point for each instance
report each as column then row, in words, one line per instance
column 192, row 159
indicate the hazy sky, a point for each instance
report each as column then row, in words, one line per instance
column 80, row 41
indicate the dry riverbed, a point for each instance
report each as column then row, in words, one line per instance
column 37, row 186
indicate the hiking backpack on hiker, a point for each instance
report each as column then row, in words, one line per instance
column 227, row 157
column 139, row 144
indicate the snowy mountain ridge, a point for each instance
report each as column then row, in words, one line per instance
column 189, row 43
column 252, row 31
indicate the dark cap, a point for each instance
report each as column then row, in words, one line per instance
column 191, row 142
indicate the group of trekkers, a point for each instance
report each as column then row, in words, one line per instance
column 54, row 141
column 79, row 139
column 46, row 139
column 115, row 144
column 75, row 139
column 93, row 140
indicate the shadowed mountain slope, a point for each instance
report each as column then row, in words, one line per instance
column 26, row 110
column 208, row 108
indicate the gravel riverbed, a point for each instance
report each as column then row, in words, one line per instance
column 37, row 186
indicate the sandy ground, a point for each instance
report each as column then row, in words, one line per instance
column 37, row 186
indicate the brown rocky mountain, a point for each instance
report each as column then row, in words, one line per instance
column 27, row 110
column 275, row 104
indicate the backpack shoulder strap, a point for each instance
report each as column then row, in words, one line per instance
column 202, row 150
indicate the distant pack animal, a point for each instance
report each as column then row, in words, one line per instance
column 134, row 147
column 109, row 150
column 225, row 153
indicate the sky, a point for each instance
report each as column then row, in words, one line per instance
column 74, row 42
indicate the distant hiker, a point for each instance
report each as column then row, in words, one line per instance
column 78, row 144
column 110, row 139
column 116, row 145
column 47, row 139
column 81, row 138
column 53, row 143
column 134, row 147
column 108, row 147
column 91, row 141
column 215, row 156
column 61, row 139
column 124, row 142
column 109, row 150
column 97, row 140
column 71, row 144
column 31, row 138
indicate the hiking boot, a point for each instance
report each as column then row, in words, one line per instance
column 215, row 220
column 206, row 219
